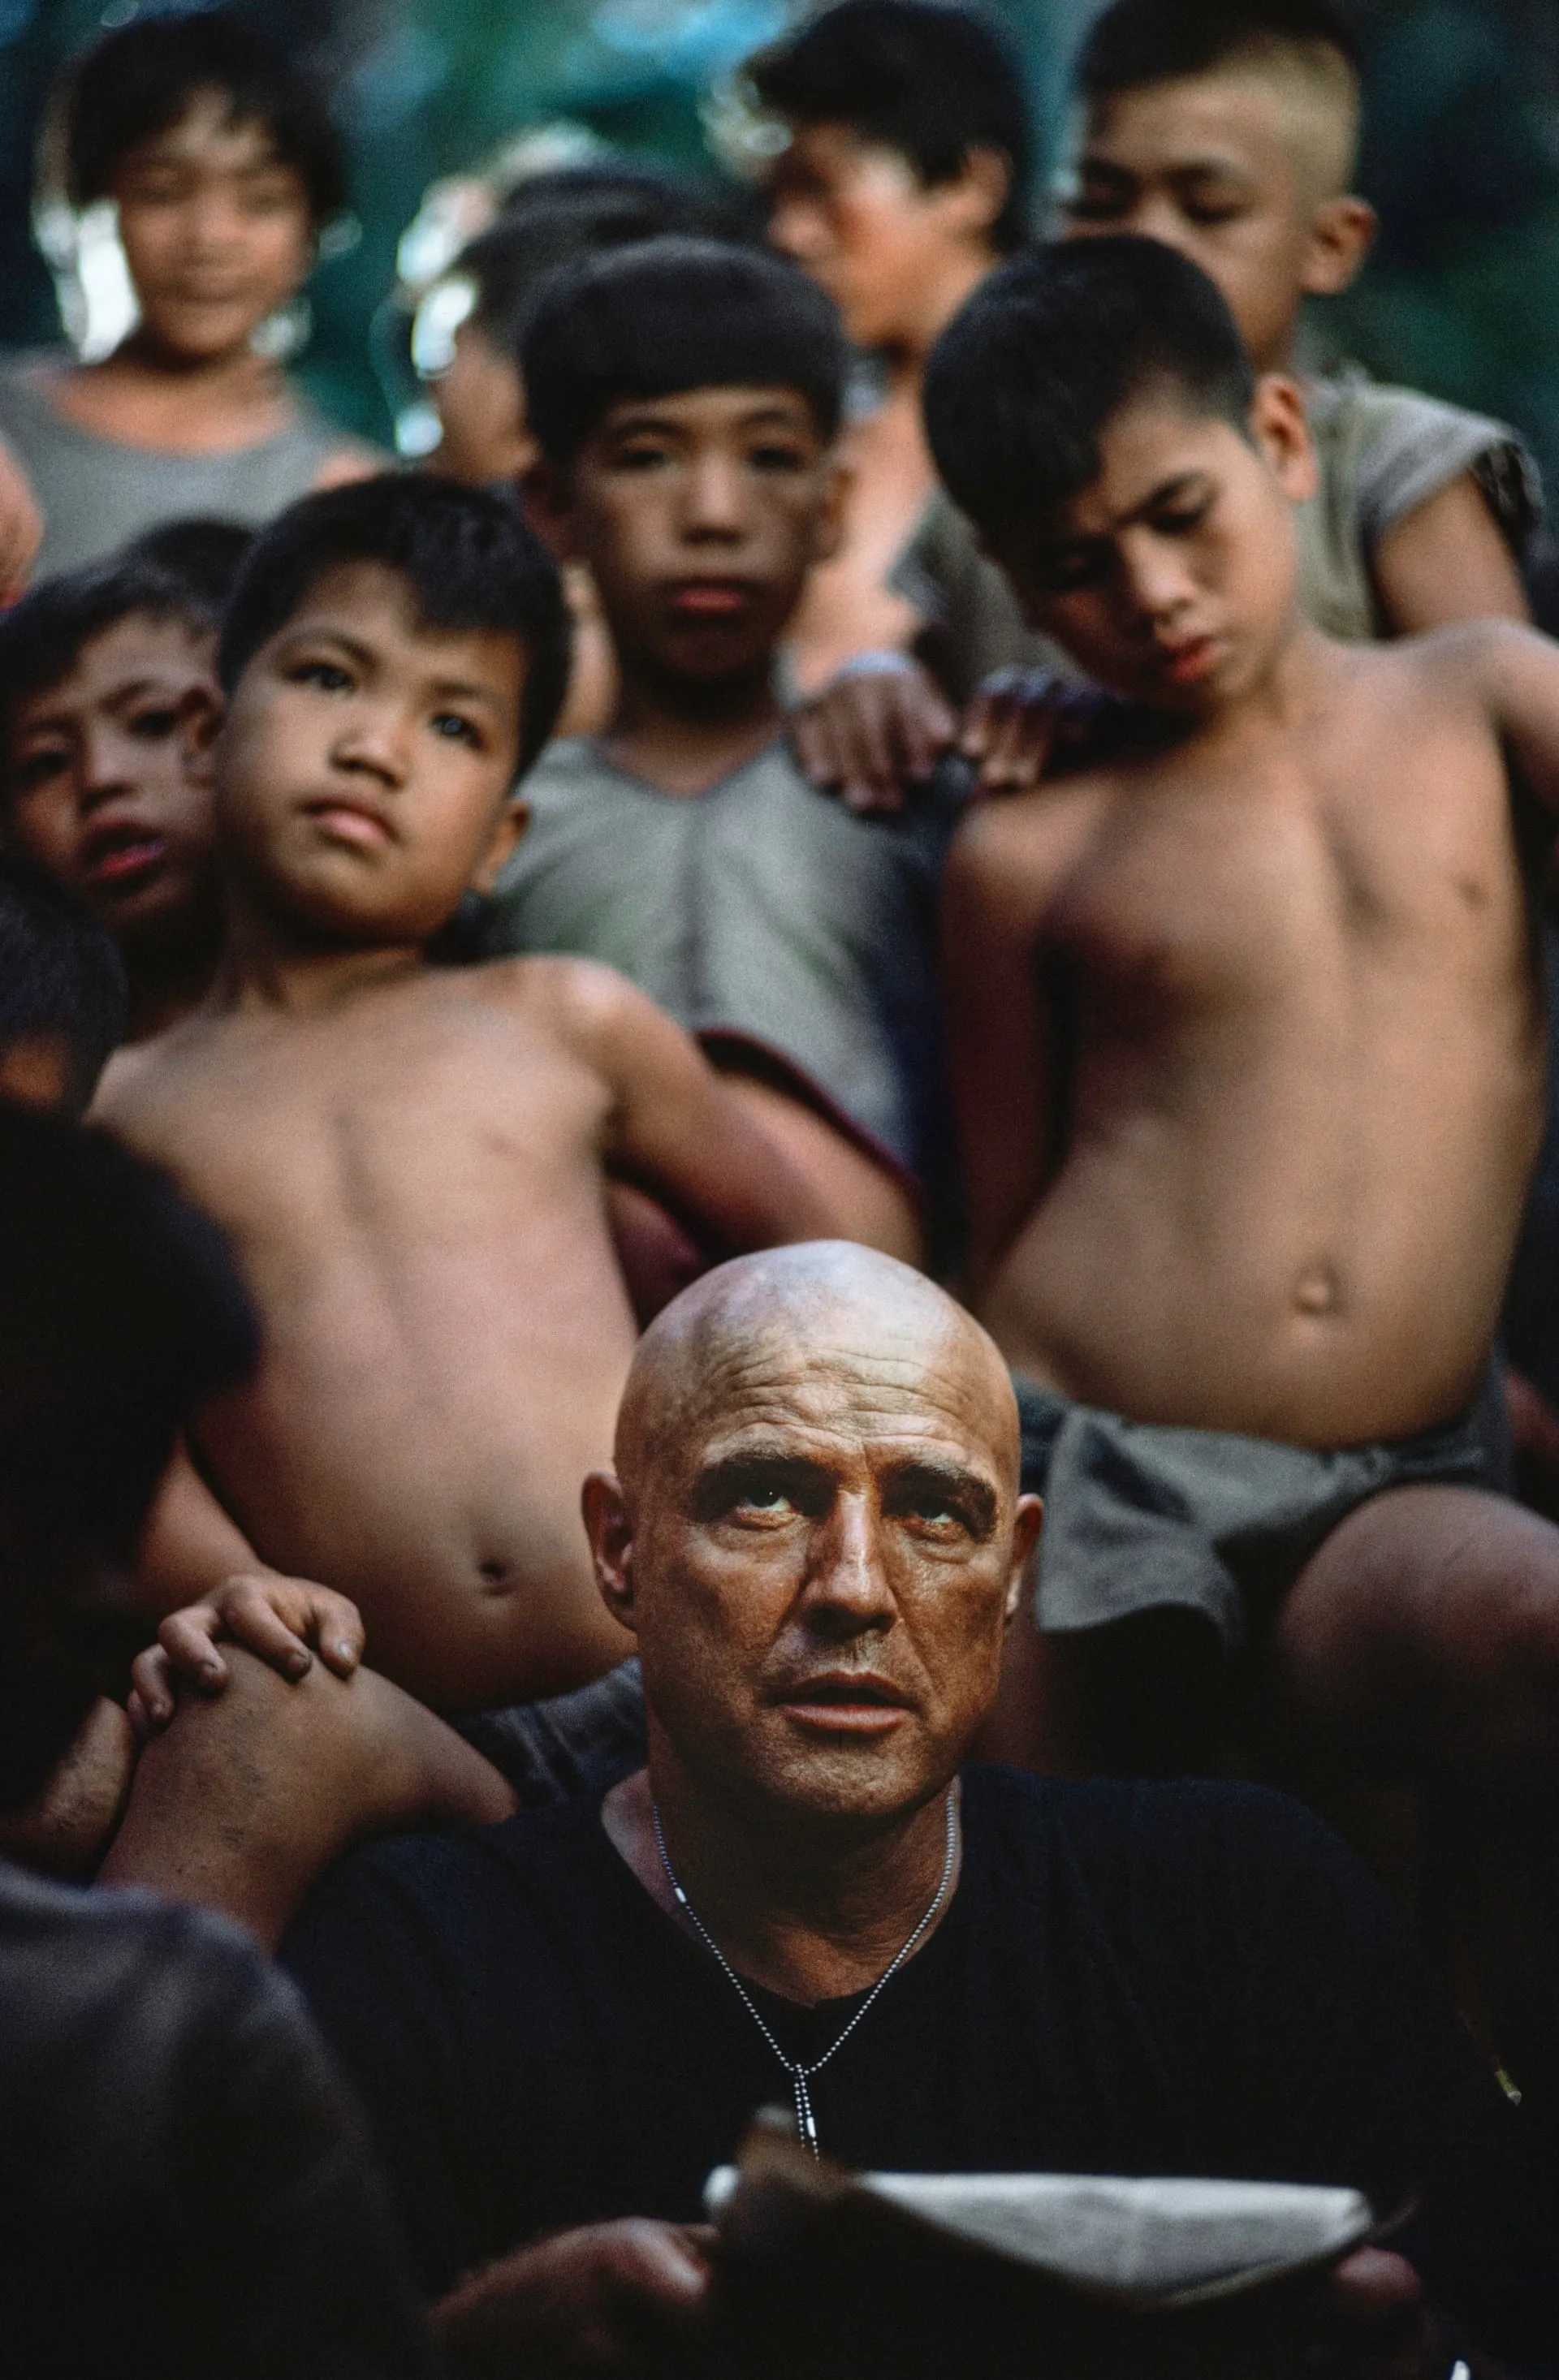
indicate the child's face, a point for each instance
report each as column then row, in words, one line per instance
column 214, row 228
column 856, row 216
column 1171, row 578
column 363, row 775
column 699, row 515
column 480, row 403
column 109, row 773
column 1206, row 165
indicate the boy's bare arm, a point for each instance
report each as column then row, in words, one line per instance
column 1517, row 675
column 675, row 1127
column 1447, row 561
column 1000, row 1032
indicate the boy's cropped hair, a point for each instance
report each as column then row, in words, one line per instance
column 468, row 559
column 61, row 976
column 41, row 636
column 204, row 552
column 671, row 315
column 1137, row 42
column 924, row 77
column 141, row 79
column 556, row 219
column 1022, row 383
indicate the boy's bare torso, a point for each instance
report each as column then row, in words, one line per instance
column 1276, row 1021
column 411, row 1179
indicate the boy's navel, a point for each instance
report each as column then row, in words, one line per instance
column 1318, row 1291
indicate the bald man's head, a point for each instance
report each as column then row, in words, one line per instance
column 791, row 1299
column 816, row 1532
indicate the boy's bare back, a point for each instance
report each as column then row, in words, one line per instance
column 412, row 1178
column 1249, row 1049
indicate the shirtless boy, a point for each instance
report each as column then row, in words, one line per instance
column 1248, row 1051
column 109, row 703
column 686, row 395
column 409, row 1162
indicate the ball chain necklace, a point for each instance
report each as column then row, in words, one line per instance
column 800, row 2074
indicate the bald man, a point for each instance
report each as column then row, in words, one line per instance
column 559, row 2024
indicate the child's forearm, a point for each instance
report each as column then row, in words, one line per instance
column 189, row 1545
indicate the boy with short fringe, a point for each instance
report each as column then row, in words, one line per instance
column 1247, row 1046
column 410, row 1162
column 687, row 395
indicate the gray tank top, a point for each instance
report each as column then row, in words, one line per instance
column 95, row 493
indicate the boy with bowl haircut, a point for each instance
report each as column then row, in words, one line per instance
column 1247, row 1048
column 686, row 395
column 1229, row 128
column 410, row 1162
column 109, row 703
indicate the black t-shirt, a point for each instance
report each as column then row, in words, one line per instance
column 185, row 2188
column 1132, row 1978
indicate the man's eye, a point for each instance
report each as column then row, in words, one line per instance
column 455, row 729
column 328, row 677
column 154, row 726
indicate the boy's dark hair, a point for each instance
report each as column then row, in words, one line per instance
column 205, row 554
column 926, row 79
column 468, row 558
column 671, row 315
column 119, row 1309
column 41, row 636
column 1023, row 381
column 138, row 80
column 1137, row 42
column 61, row 975
column 554, row 219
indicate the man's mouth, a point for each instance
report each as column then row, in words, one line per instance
column 357, row 824
column 710, row 598
column 846, row 1702
column 121, row 855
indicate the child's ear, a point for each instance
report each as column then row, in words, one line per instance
column 506, row 839
column 976, row 194
column 1341, row 236
column 546, row 502
column 202, row 722
column 828, row 530
column 1282, row 433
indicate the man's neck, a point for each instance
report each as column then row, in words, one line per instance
column 268, row 964
column 684, row 737
column 806, row 1912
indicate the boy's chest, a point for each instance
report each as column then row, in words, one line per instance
column 1351, row 866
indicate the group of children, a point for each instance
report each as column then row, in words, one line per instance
column 1210, row 1068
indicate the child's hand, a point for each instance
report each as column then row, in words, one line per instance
column 878, row 725
column 1021, row 719
column 277, row 1618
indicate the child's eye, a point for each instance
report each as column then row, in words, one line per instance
column 154, row 726
column 773, row 457
column 1098, row 206
column 457, row 730
column 39, row 768
column 1179, row 520
column 329, row 676
column 1207, row 211
column 642, row 458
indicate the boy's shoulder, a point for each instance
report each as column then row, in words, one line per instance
column 1384, row 450
column 1008, row 849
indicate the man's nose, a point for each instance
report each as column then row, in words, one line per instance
column 847, row 1582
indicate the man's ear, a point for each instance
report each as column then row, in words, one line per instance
column 828, row 529
column 1028, row 1521
column 547, row 503
column 1282, row 433
column 506, row 837
column 611, row 1543
column 1341, row 236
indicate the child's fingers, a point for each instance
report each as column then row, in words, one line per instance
column 186, row 1637
column 812, row 732
column 151, row 1703
column 335, row 1626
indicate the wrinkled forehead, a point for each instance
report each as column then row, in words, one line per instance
column 851, row 1385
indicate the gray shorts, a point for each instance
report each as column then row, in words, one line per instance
column 1139, row 1516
